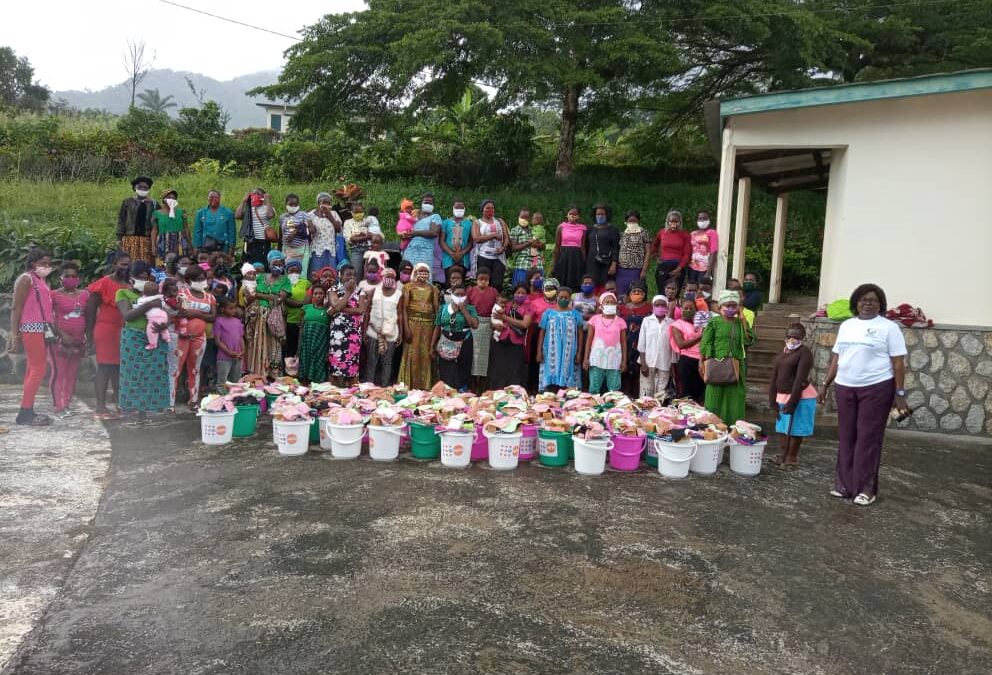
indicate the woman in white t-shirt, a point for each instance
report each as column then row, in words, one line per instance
column 869, row 368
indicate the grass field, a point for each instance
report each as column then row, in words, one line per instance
column 92, row 207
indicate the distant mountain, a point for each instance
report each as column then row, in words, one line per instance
column 229, row 94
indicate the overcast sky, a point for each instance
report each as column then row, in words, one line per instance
column 78, row 44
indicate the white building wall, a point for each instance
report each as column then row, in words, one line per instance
column 910, row 200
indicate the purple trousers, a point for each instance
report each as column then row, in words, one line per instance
column 862, row 413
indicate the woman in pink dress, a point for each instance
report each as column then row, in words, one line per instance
column 569, row 259
column 69, row 314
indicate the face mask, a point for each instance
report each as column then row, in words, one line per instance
column 358, row 215
column 538, row 284
column 427, row 208
column 182, row 269
column 729, row 312
column 171, row 203
column 256, row 200
column 749, row 285
column 551, row 295
column 601, row 220
column 141, row 193
column 42, row 271
column 660, row 312
column 293, row 277
column 457, row 300
column 198, row 285
column 703, row 224
column 70, row 283
column 372, row 277
column 706, row 295
column 423, row 278
column 292, row 209
column 213, row 202
column 520, row 299
column 609, row 310
column 690, row 295
column 564, row 302
column 138, row 285
column 459, row 213
column 636, row 296
column 389, row 282
column 522, row 222
column 792, row 344
column 587, row 288
column 404, row 277
column 276, row 270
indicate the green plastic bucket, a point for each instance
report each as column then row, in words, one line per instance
column 651, row 452
column 424, row 443
column 245, row 420
column 554, row 447
column 269, row 400
column 315, row 431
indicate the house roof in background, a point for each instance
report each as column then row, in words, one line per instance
column 941, row 83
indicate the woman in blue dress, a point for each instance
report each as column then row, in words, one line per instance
column 423, row 239
column 560, row 344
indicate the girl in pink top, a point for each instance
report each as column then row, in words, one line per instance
column 606, row 346
column 30, row 320
column 405, row 222
column 705, row 243
column 685, row 342
column 69, row 314
column 569, row 256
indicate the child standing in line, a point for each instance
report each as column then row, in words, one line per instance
column 703, row 316
column 585, row 299
column 376, row 253
column 229, row 336
column 791, row 396
column 606, row 346
column 405, row 221
column 653, row 345
column 483, row 297
column 559, row 343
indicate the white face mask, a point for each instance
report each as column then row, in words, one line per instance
column 198, row 285
column 171, row 203
column 457, row 300
column 182, row 269
column 42, row 271
column 459, row 213
column 138, row 285
column 292, row 209
column 141, row 193
column 703, row 224
column 293, row 277
column 609, row 310
column 427, row 208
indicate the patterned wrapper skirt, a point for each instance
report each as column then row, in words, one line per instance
column 482, row 340
column 313, row 351
column 139, row 248
column 417, row 368
column 144, row 373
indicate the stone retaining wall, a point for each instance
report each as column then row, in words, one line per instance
column 948, row 375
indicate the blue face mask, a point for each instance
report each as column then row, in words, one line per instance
column 690, row 295
column 538, row 284
column 601, row 220
column 587, row 288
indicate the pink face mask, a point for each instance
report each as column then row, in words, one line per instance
column 660, row 312
column 70, row 283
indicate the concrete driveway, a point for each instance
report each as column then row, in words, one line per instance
column 236, row 560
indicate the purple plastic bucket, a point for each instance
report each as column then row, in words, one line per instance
column 528, row 443
column 480, row 446
column 626, row 452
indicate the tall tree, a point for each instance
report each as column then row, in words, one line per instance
column 152, row 100
column 136, row 65
column 402, row 56
column 18, row 88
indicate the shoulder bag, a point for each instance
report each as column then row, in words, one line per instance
column 276, row 321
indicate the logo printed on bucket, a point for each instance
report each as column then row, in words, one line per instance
column 291, row 439
column 458, row 449
column 549, row 448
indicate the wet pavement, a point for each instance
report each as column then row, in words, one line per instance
column 235, row 560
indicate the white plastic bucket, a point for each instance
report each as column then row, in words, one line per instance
column 590, row 456
column 674, row 458
column 745, row 460
column 292, row 438
column 456, row 448
column 325, row 434
column 384, row 442
column 216, row 428
column 708, row 456
column 346, row 439
column 504, row 450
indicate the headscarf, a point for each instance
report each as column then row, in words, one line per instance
column 659, row 298
column 728, row 296
column 294, row 263
column 259, row 267
column 275, row 255
column 323, row 195
column 674, row 212
column 421, row 266
column 550, row 283
column 607, row 294
column 247, row 268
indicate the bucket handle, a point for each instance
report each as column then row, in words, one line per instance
column 387, row 430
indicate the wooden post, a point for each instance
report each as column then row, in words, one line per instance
column 778, row 248
column 725, row 200
column 740, row 226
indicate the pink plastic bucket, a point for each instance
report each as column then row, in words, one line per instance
column 480, row 446
column 528, row 443
column 626, row 452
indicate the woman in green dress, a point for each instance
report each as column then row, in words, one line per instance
column 727, row 335
column 314, row 337
column 170, row 232
column 144, row 374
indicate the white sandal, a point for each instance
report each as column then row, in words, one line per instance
column 838, row 494
column 864, row 500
